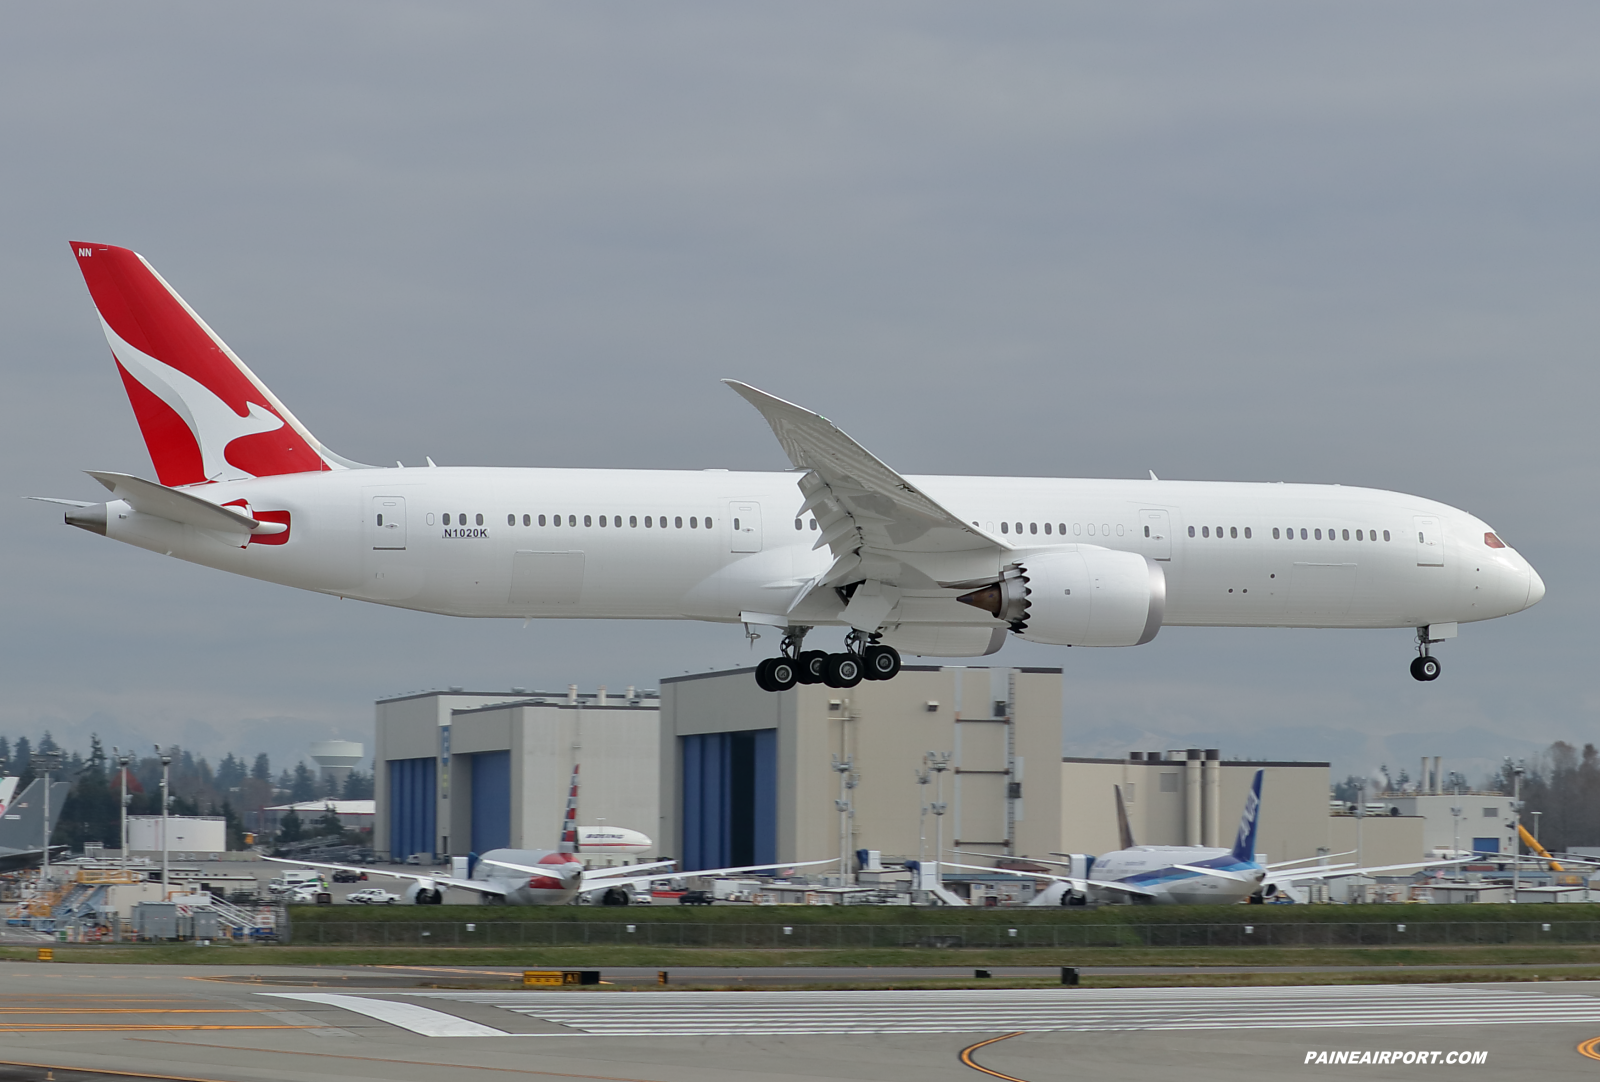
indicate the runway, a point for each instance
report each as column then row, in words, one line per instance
column 199, row 1024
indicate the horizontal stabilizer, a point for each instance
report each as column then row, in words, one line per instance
column 150, row 498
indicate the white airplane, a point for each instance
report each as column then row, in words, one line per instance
column 538, row 876
column 941, row 566
column 1186, row 874
column 607, row 841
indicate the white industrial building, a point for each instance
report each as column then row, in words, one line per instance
column 186, row 834
column 462, row 772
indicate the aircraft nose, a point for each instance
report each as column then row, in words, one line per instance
column 1535, row 588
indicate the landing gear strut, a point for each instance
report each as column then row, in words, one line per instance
column 1425, row 666
column 863, row 658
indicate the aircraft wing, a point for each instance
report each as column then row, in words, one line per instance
column 1217, row 872
column 429, row 881
column 1341, row 871
column 629, row 869
column 1077, row 884
column 564, row 870
column 877, row 524
column 641, row 881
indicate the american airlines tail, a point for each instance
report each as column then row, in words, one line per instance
column 1244, row 846
column 569, row 820
column 204, row 415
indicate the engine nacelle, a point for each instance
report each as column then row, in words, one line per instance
column 1080, row 596
column 424, row 894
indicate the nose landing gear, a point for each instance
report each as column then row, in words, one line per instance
column 863, row 658
column 1424, row 666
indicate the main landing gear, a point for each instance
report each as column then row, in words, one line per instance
column 1425, row 666
column 864, row 658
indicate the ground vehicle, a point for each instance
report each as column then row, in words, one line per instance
column 373, row 896
column 695, row 897
column 349, row 875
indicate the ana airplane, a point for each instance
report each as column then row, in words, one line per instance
column 941, row 566
column 22, row 823
column 538, row 876
column 1186, row 874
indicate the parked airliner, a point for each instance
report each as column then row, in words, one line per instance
column 1187, row 874
column 938, row 565
column 537, row 876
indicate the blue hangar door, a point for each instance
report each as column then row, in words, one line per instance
column 413, row 806
column 730, row 799
column 491, row 801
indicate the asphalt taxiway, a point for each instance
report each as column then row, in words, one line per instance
column 184, row 1022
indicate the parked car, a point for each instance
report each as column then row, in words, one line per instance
column 695, row 897
column 373, row 896
column 310, row 895
column 349, row 875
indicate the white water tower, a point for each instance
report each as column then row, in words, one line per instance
column 337, row 758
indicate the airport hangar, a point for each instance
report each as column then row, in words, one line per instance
column 720, row 773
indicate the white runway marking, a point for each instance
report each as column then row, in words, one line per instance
column 423, row 1020
column 700, row 1014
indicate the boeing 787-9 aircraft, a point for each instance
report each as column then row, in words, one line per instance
column 931, row 565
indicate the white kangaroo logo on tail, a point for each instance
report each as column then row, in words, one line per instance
column 213, row 422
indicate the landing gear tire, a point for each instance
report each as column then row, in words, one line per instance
column 764, row 676
column 782, row 673
column 811, row 665
column 881, row 662
column 843, row 671
column 1425, row 668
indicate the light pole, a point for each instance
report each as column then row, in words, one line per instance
column 938, row 762
column 166, row 778
column 924, row 776
column 847, row 781
column 123, row 759
column 1536, row 824
column 49, row 763
column 1516, row 824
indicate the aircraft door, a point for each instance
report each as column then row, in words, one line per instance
column 1157, row 534
column 386, row 522
column 1430, row 541
column 744, row 525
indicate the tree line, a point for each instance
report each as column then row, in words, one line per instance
column 236, row 789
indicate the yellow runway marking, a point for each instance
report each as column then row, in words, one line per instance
column 407, row 1062
column 1590, row 1048
column 125, row 1027
column 104, row 1071
column 966, row 1056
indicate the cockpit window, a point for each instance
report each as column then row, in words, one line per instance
column 1493, row 542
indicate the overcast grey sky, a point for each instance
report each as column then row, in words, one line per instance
column 1351, row 242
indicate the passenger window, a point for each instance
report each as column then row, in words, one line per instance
column 648, row 522
column 708, row 522
column 814, row 524
column 572, row 520
column 1233, row 531
column 1147, row 531
column 541, row 520
column 480, row 520
column 588, row 520
column 1005, row 527
column 1119, row 529
column 1275, row 533
column 1046, row 527
column 527, row 520
column 1345, row 534
column 1359, row 537
column 735, row 524
column 1303, row 533
column 1386, row 535
column 678, row 522
column 694, row 522
column 1061, row 528
column 446, row 518
column 1247, row 533
column 633, row 522
column 798, row 524
column 1205, row 531
column 1033, row 527
column 1105, row 530
column 602, row 521
column 1191, row 531
column 1319, row 534
column 380, row 520
column 1076, row 527
column 1219, row 532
